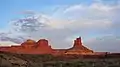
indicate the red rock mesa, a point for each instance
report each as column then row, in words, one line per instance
column 43, row 47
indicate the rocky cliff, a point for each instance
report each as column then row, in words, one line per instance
column 42, row 47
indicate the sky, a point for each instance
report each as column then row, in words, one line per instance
column 61, row 21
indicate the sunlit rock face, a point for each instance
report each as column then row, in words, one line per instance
column 42, row 47
column 30, row 47
column 29, row 44
column 78, row 48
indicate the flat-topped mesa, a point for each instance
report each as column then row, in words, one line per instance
column 44, row 47
column 42, row 42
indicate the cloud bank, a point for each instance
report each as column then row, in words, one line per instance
column 93, row 22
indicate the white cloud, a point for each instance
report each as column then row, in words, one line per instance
column 105, row 43
column 75, row 20
column 96, row 14
column 7, row 43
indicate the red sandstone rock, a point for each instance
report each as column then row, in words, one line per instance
column 42, row 47
column 78, row 48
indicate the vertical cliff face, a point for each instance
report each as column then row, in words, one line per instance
column 77, row 43
column 42, row 43
column 30, row 47
column 78, row 48
column 43, row 47
column 40, row 47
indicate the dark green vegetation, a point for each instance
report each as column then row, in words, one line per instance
column 26, row 60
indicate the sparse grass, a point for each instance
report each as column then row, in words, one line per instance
column 50, row 61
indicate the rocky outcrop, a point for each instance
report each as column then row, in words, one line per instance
column 30, row 47
column 42, row 47
column 78, row 48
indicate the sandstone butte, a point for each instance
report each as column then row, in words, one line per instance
column 43, row 47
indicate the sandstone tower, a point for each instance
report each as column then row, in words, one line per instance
column 42, row 47
column 78, row 48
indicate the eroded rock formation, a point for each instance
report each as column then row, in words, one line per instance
column 43, row 47
column 78, row 48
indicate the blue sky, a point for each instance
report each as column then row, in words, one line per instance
column 63, row 19
column 10, row 8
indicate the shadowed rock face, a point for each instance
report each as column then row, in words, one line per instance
column 78, row 45
column 78, row 48
column 43, row 47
